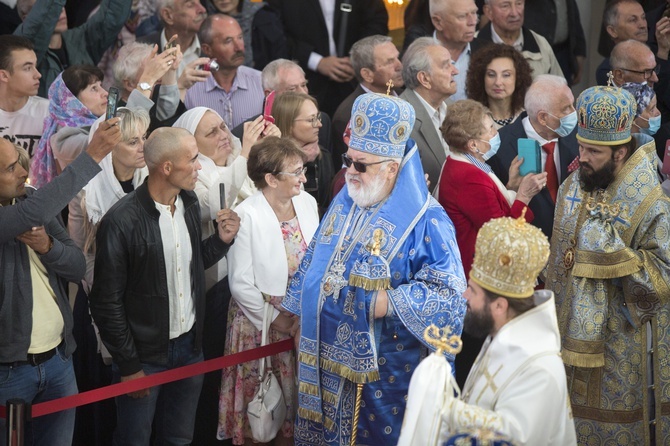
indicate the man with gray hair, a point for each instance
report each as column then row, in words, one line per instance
column 375, row 63
column 506, row 26
column 148, row 298
column 181, row 20
column 625, row 20
column 282, row 75
column 429, row 75
column 551, row 121
column 455, row 23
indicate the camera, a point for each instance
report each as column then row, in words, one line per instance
column 212, row 65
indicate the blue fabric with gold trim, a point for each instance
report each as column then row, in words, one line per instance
column 341, row 343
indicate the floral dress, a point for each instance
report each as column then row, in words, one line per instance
column 239, row 384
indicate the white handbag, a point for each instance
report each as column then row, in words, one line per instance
column 267, row 411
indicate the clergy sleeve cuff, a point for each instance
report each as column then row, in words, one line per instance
column 610, row 265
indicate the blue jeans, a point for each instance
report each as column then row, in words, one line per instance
column 48, row 381
column 173, row 404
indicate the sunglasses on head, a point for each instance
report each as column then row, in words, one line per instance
column 358, row 165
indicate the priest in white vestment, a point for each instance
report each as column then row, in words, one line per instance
column 517, row 387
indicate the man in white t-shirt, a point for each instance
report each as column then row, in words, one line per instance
column 22, row 113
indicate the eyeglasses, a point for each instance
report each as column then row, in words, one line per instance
column 646, row 73
column 298, row 173
column 315, row 120
column 359, row 166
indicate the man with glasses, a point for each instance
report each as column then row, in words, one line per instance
column 383, row 266
column 625, row 20
column 633, row 61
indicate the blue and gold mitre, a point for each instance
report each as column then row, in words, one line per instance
column 381, row 125
column 605, row 115
column 477, row 439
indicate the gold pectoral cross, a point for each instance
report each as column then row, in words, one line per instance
column 389, row 85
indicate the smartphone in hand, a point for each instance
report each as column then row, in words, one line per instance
column 529, row 150
column 222, row 196
column 112, row 103
column 267, row 107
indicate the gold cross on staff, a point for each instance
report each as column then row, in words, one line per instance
column 610, row 79
column 389, row 84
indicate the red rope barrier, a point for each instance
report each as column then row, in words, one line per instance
column 103, row 393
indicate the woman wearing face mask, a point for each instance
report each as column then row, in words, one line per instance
column 469, row 190
column 472, row 194
column 648, row 117
column 648, row 121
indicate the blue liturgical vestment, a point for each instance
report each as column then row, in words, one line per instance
column 341, row 343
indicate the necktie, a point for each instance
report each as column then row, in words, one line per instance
column 550, row 168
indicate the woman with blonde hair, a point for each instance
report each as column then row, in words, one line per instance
column 297, row 115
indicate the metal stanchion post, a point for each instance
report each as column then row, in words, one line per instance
column 17, row 413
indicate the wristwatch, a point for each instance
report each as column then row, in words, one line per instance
column 144, row 86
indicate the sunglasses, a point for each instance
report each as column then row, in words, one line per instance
column 358, row 165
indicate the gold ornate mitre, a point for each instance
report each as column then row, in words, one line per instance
column 509, row 255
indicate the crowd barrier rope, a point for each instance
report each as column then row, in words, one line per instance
column 114, row 390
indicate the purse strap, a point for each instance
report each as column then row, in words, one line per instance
column 268, row 310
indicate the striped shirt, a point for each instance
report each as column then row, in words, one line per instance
column 483, row 166
column 243, row 102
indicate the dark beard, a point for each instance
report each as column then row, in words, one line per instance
column 598, row 179
column 478, row 324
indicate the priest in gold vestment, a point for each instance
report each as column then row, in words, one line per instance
column 609, row 268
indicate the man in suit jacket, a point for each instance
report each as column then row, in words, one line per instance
column 551, row 120
column 375, row 63
column 323, row 53
column 429, row 74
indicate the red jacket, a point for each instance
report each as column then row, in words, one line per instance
column 471, row 198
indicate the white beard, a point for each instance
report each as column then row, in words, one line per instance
column 365, row 196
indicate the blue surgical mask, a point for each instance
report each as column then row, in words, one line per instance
column 568, row 123
column 654, row 125
column 495, row 145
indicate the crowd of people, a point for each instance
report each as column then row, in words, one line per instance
column 284, row 158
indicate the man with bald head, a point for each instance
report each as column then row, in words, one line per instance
column 551, row 120
column 626, row 20
column 633, row 61
column 148, row 298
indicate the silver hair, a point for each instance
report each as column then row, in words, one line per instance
column 160, row 5
column 129, row 61
column 436, row 6
column 362, row 53
column 415, row 60
column 132, row 121
column 270, row 74
column 542, row 93
column 163, row 144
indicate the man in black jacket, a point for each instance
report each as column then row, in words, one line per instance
column 148, row 298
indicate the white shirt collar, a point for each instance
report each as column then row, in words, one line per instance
column 518, row 43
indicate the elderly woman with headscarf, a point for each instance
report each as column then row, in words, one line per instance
column 224, row 161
